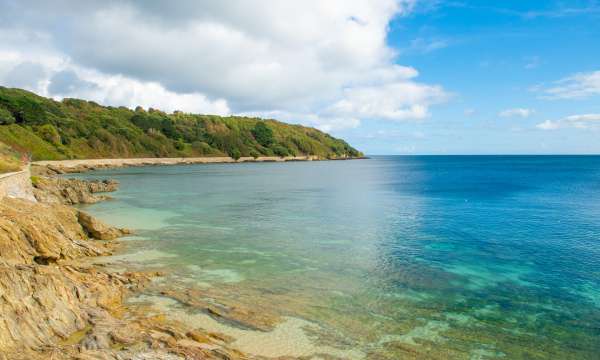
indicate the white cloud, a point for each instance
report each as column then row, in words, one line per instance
column 324, row 123
column 425, row 46
column 583, row 118
column 548, row 125
column 578, row 86
column 327, row 61
column 58, row 78
column 395, row 101
column 583, row 121
column 517, row 112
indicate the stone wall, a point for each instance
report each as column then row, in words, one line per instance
column 17, row 185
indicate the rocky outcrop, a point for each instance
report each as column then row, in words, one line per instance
column 54, row 167
column 55, row 305
column 41, row 233
column 71, row 191
column 97, row 229
column 39, row 300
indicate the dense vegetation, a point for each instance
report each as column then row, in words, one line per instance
column 83, row 129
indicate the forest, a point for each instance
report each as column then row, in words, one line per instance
column 47, row 129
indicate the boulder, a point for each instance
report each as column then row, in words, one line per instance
column 97, row 229
column 71, row 191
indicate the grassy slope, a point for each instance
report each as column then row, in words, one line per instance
column 10, row 160
column 81, row 129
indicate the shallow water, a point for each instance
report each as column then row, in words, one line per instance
column 444, row 257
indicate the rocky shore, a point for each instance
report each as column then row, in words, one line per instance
column 54, row 304
column 75, row 166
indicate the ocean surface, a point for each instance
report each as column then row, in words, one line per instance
column 462, row 257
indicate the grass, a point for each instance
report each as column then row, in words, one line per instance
column 9, row 159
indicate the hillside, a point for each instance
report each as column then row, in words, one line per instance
column 79, row 129
column 9, row 159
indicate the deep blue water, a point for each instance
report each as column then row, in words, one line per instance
column 469, row 257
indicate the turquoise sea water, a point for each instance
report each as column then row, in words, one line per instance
column 461, row 257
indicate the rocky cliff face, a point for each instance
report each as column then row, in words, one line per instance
column 55, row 305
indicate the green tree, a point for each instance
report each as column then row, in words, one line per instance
column 280, row 150
column 6, row 118
column 49, row 133
column 235, row 154
column 179, row 144
column 83, row 129
column 263, row 134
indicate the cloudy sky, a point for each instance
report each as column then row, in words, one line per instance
column 390, row 76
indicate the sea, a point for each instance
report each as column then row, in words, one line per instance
column 391, row 257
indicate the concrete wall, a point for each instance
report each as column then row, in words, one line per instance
column 16, row 185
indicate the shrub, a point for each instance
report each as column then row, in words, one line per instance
column 280, row 151
column 179, row 144
column 263, row 134
column 49, row 133
column 6, row 118
column 235, row 154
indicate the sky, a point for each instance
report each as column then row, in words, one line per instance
column 388, row 76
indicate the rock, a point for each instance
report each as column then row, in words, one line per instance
column 97, row 229
column 55, row 305
column 198, row 336
column 71, row 191
column 37, row 304
column 41, row 233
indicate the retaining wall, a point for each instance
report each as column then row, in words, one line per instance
column 17, row 185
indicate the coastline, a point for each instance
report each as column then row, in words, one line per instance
column 61, row 301
column 81, row 165
column 112, row 309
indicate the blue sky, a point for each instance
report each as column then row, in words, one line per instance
column 389, row 76
column 493, row 56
